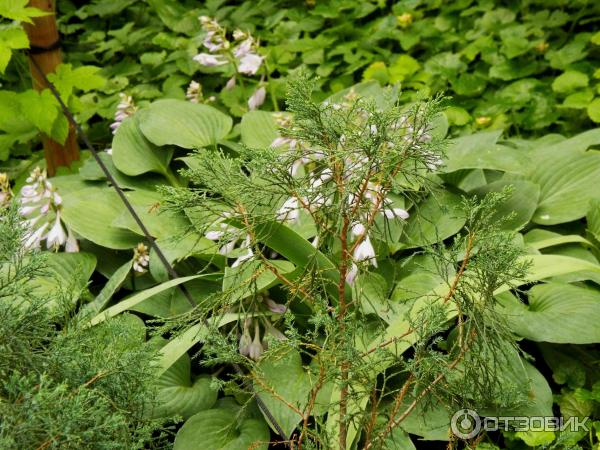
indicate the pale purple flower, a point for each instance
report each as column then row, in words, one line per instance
column 257, row 98
column 255, row 349
column 126, row 108
column 250, row 63
column 56, row 236
column 393, row 213
column 289, row 211
column 71, row 246
column 230, row 84
column 245, row 340
column 365, row 252
column 275, row 307
column 351, row 274
column 208, row 60
column 194, row 92
column 33, row 239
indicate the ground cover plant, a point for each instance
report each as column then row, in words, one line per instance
column 356, row 219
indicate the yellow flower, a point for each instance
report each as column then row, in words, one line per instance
column 404, row 20
column 483, row 120
column 542, row 46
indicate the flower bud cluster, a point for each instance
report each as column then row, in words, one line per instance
column 242, row 50
column 41, row 206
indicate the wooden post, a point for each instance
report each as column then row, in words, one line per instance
column 45, row 50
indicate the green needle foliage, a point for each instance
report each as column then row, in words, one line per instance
column 61, row 385
column 345, row 167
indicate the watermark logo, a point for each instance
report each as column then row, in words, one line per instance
column 466, row 423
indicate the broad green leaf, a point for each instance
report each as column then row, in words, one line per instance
column 179, row 247
column 299, row 252
column 480, row 151
column 593, row 219
column 90, row 171
column 258, row 129
column 556, row 312
column 173, row 302
column 136, row 299
column 179, row 345
column 435, row 219
column 521, row 203
column 111, row 286
column 91, row 210
column 67, row 275
column 148, row 206
column 221, row 429
column 536, row 438
column 578, row 143
column 567, row 183
column 182, row 123
column 283, row 377
column 179, row 395
column 133, row 154
column 539, row 239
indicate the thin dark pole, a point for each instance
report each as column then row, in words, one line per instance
column 140, row 223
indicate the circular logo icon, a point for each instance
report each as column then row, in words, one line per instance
column 465, row 424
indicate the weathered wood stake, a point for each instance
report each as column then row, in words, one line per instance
column 45, row 50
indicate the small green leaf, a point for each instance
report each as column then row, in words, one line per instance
column 19, row 11
column 593, row 110
column 40, row 108
column 569, row 81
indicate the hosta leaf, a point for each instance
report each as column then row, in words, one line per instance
column 222, row 429
column 172, row 302
column 283, row 377
column 180, row 344
column 179, row 395
column 135, row 299
column 593, row 219
column 133, row 154
column 160, row 223
column 539, row 239
column 258, row 129
column 578, row 143
column 91, row 210
column 556, row 312
column 185, row 124
column 480, row 151
column 568, row 181
column 67, row 273
column 437, row 218
column 520, row 204
column 112, row 286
